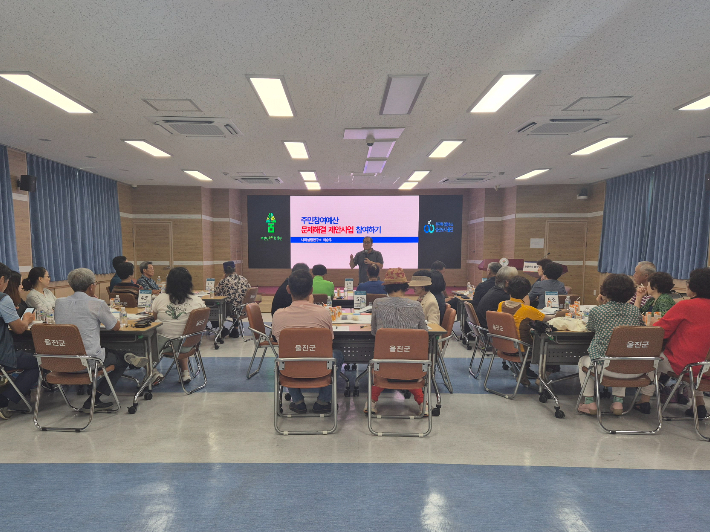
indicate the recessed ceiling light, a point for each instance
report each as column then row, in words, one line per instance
column 600, row 145
column 408, row 185
column 700, row 104
column 197, row 175
column 501, row 90
column 533, row 173
column 309, row 176
column 39, row 88
column 418, row 175
column 272, row 93
column 444, row 148
column 148, row 148
column 297, row 150
column 310, row 185
column 401, row 93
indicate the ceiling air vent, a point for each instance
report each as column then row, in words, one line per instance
column 562, row 126
column 259, row 180
column 195, row 127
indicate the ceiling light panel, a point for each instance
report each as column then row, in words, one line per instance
column 297, row 150
column 197, row 175
column 309, row 176
column 418, row 175
column 444, row 148
column 36, row 86
column 272, row 93
column 148, row 148
column 503, row 88
column 401, row 93
column 310, row 185
column 374, row 167
column 697, row 105
column 380, row 149
column 408, row 185
column 600, row 145
column 533, row 173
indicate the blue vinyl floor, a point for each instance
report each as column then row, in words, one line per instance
column 316, row 497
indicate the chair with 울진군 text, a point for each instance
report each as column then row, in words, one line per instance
column 261, row 337
column 401, row 362
column 127, row 300
column 305, row 361
column 61, row 355
column 636, row 352
column 696, row 376
column 479, row 336
column 182, row 347
column 506, row 343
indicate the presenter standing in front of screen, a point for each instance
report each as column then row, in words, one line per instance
column 366, row 257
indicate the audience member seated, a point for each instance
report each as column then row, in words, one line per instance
column 126, row 286
column 548, row 283
column 421, row 283
column 39, row 296
column 173, row 309
column 13, row 290
column 660, row 286
column 483, row 287
column 397, row 312
column 686, row 337
column 617, row 289
column 373, row 285
column 9, row 358
column 495, row 295
column 282, row 298
column 438, row 288
column 233, row 287
column 116, row 279
column 146, row 281
column 643, row 271
column 87, row 312
column 519, row 287
column 439, row 267
column 320, row 285
column 302, row 313
column 541, row 267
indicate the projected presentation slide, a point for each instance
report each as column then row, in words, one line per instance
column 328, row 229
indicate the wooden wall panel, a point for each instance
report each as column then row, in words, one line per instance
column 23, row 237
column 166, row 200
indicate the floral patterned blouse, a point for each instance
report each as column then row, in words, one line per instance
column 233, row 287
column 662, row 304
column 602, row 321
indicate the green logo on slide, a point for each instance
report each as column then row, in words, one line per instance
column 270, row 222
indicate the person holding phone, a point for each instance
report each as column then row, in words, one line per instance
column 11, row 359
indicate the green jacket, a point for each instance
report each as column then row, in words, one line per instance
column 321, row 286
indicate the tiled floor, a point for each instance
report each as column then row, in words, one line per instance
column 213, row 461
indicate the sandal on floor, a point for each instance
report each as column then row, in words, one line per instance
column 644, row 408
column 589, row 408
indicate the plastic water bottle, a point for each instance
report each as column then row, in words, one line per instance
column 123, row 316
column 469, row 289
column 329, row 302
column 566, row 303
column 50, row 317
column 42, row 316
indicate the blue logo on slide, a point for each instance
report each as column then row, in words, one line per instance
column 439, row 227
column 429, row 228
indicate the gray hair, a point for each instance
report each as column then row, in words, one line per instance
column 647, row 267
column 494, row 267
column 144, row 266
column 81, row 279
column 505, row 274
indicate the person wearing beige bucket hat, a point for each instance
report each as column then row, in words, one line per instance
column 398, row 312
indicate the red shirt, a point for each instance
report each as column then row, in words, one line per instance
column 687, row 332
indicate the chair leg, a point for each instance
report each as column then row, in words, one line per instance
column 200, row 368
column 12, row 383
column 630, row 432
column 696, row 421
column 517, row 382
column 250, row 374
column 66, row 429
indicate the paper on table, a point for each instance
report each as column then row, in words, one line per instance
column 341, row 328
column 363, row 319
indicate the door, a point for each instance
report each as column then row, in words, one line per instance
column 566, row 242
column 153, row 241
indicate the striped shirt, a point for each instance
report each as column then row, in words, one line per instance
column 397, row 313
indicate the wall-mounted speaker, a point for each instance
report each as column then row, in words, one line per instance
column 28, row 183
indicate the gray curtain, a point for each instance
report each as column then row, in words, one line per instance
column 661, row 214
column 74, row 216
column 8, row 246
